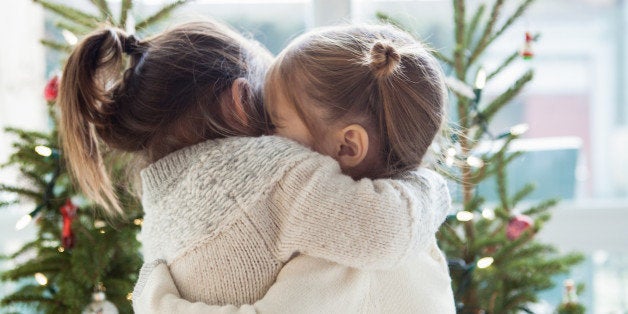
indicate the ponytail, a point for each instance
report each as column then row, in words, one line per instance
column 86, row 106
column 173, row 94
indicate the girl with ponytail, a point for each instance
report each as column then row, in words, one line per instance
column 374, row 98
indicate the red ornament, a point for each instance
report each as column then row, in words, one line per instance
column 517, row 225
column 68, row 211
column 527, row 48
column 52, row 89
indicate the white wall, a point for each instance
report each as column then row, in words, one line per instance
column 22, row 79
column 22, row 66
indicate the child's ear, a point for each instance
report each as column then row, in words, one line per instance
column 241, row 92
column 354, row 144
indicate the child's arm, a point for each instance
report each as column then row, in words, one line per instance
column 310, row 286
column 155, row 292
column 369, row 224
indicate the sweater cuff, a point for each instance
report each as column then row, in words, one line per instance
column 145, row 273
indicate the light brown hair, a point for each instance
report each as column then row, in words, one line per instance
column 375, row 75
column 174, row 92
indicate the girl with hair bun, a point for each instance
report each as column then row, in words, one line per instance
column 225, row 206
column 374, row 98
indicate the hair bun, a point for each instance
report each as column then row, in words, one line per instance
column 384, row 59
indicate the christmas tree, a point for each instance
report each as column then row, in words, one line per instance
column 77, row 250
column 496, row 264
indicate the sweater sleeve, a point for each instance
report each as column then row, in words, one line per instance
column 306, row 287
column 368, row 224
column 156, row 293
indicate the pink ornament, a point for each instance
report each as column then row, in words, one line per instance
column 52, row 89
column 517, row 225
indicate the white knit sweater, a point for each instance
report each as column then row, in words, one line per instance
column 309, row 285
column 227, row 214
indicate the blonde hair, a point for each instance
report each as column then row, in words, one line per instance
column 175, row 92
column 376, row 75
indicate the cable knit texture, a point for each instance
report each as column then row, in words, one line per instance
column 227, row 214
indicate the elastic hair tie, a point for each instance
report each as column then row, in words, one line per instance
column 130, row 45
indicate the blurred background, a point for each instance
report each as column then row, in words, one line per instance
column 576, row 106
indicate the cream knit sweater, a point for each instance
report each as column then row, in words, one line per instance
column 227, row 214
column 310, row 285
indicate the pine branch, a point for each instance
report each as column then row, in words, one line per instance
column 452, row 236
column 70, row 13
column 501, row 182
column 33, row 245
column 387, row 19
column 35, row 195
column 474, row 23
column 459, row 30
column 486, row 242
column 105, row 11
column 541, row 207
column 533, row 249
column 160, row 15
column 7, row 203
column 522, row 193
column 76, row 29
column 486, row 34
column 474, row 204
column 125, row 8
column 35, row 177
column 518, row 13
column 540, row 221
column 27, row 157
column 506, row 250
column 503, row 99
column 28, row 295
column 513, row 301
column 29, row 136
column 442, row 57
column 514, row 56
column 512, row 156
column 41, row 265
column 63, row 47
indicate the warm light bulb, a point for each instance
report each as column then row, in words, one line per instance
column 138, row 221
column 69, row 37
column 41, row 279
column 519, row 129
column 99, row 224
column 464, row 215
column 43, row 150
column 480, row 79
column 449, row 161
column 61, row 249
column 102, row 231
column 451, row 152
column 485, row 262
column 23, row 222
column 129, row 296
column 488, row 213
column 474, row 161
